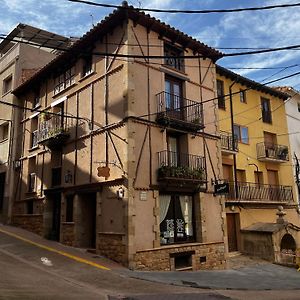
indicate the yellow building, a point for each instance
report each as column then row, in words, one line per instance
column 256, row 159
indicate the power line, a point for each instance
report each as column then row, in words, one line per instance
column 176, row 11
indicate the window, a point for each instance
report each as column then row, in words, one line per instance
column 243, row 96
column 4, row 128
column 29, row 207
column 64, row 80
column 56, row 176
column 87, row 67
column 32, row 182
column 298, row 106
column 173, row 97
column 7, row 85
column 176, row 219
column 171, row 57
column 34, row 132
column 220, row 94
column 241, row 134
column 36, row 97
column 266, row 111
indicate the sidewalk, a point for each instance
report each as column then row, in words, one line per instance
column 244, row 273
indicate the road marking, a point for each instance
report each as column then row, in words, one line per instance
column 76, row 258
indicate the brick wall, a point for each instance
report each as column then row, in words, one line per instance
column 111, row 245
column 67, row 234
column 33, row 223
column 209, row 256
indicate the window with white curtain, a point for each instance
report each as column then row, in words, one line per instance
column 176, row 219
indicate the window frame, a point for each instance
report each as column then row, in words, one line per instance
column 243, row 98
column 64, row 80
column 173, row 51
column 239, row 136
column 87, row 65
column 178, row 240
column 6, row 88
column 3, row 136
column 32, row 182
column 221, row 96
column 266, row 114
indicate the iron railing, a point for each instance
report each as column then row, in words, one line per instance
column 52, row 127
column 272, row 151
column 227, row 142
column 181, row 165
column 175, row 107
column 247, row 191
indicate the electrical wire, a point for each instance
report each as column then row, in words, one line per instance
column 176, row 11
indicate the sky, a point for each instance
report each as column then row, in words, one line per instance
column 256, row 29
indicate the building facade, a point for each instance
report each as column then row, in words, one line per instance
column 256, row 155
column 18, row 60
column 123, row 153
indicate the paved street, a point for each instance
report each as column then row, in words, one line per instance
column 33, row 268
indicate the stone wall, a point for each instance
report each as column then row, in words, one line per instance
column 209, row 256
column 67, row 234
column 112, row 246
column 33, row 223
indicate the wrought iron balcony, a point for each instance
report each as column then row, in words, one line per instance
column 259, row 193
column 181, row 169
column 227, row 144
column 272, row 153
column 178, row 112
column 53, row 131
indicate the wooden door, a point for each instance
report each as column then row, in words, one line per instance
column 273, row 177
column 232, row 232
column 227, row 173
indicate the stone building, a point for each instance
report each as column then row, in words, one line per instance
column 123, row 153
column 22, row 52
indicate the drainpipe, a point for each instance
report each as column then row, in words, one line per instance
column 233, row 141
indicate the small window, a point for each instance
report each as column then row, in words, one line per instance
column 243, row 96
column 173, row 57
column 36, row 97
column 34, row 132
column 32, row 182
column 4, row 128
column 298, row 106
column 241, row 133
column 64, row 80
column 220, row 94
column 87, row 67
column 7, row 85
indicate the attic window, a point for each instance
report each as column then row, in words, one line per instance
column 173, row 57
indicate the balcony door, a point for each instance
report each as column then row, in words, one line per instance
column 173, row 90
column 173, row 150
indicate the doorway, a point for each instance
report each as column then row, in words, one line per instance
column 232, row 227
column 52, row 216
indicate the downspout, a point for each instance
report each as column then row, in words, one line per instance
column 233, row 141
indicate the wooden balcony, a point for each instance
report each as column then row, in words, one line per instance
column 180, row 113
column 228, row 145
column 53, row 132
column 247, row 192
column 269, row 152
column 181, row 171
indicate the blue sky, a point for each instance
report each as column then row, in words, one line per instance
column 274, row 28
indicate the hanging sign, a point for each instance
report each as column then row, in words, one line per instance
column 221, row 188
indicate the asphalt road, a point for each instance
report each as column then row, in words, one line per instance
column 28, row 271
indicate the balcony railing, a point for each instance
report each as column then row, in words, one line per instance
column 181, row 166
column 179, row 112
column 264, row 193
column 227, row 143
column 53, row 131
column 272, row 152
